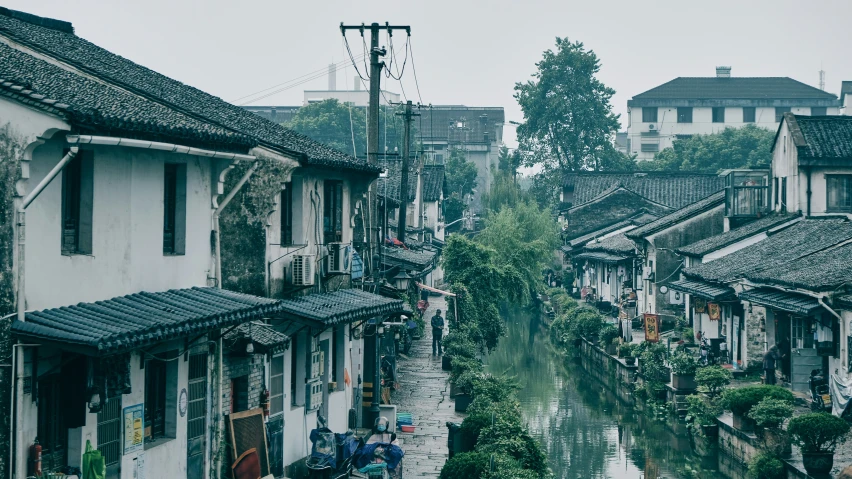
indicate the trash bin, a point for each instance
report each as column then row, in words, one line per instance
column 454, row 438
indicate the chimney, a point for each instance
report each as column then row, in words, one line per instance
column 332, row 78
column 723, row 72
column 357, row 83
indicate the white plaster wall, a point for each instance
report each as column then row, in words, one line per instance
column 127, row 252
column 845, row 332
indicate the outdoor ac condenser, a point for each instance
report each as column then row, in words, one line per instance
column 302, row 269
column 339, row 258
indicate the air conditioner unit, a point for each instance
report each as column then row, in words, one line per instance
column 339, row 258
column 652, row 127
column 302, row 269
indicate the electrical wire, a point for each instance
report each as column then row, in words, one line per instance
column 322, row 71
column 414, row 69
column 293, row 85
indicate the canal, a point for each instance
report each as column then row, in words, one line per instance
column 585, row 430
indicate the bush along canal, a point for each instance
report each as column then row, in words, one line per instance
column 585, row 415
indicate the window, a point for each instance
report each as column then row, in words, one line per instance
column 160, row 399
column 684, row 114
column 649, row 114
column 333, row 212
column 239, row 394
column 650, row 147
column 287, row 215
column 276, row 385
column 818, row 111
column 174, row 209
column 783, row 193
column 775, row 193
column 839, row 190
column 77, row 196
column 748, row 114
column 779, row 113
column 718, row 114
column 155, row 399
column 334, row 355
column 297, row 369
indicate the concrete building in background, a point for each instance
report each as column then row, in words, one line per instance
column 689, row 106
column 845, row 98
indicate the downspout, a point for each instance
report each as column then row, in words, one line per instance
column 808, row 192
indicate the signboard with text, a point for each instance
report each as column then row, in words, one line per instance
column 652, row 327
column 133, row 422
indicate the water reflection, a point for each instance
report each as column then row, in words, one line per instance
column 586, row 431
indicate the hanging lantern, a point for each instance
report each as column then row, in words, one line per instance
column 402, row 280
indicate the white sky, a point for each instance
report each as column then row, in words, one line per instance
column 467, row 52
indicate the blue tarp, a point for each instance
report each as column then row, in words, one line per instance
column 392, row 455
column 357, row 266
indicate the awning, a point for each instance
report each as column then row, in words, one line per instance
column 790, row 302
column 260, row 334
column 435, row 290
column 704, row 290
column 142, row 319
column 601, row 256
column 343, row 306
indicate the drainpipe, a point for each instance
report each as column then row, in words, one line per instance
column 808, row 192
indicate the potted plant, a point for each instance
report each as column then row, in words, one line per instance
column 689, row 335
column 607, row 334
column 626, row 352
column 457, row 344
column 740, row 401
column 683, row 367
column 712, row 380
column 766, row 466
column 817, row 434
column 701, row 414
column 461, row 365
column 465, row 384
column 769, row 415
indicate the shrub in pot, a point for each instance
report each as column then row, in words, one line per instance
column 683, row 366
column 701, row 414
column 460, row 366
column 740, row 401
column 712, row 380
column 768, row 416
column 626, row 351
column 457, row 344
column 689, row 335
column 607, row 333
column 766, row 466
column 465, row 385
column 818, row 434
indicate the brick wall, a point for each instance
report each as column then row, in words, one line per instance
column 754, row 337
column 234, row 366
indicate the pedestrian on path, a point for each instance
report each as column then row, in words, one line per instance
column 769, row 364
column 437, row 333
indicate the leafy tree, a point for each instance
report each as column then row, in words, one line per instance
column 509, row 162
column 453, row 208
column 568, row 119
column 746, row 147
column 460, row 173
column 504, row 192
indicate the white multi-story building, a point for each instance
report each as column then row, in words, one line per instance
column 689, row 106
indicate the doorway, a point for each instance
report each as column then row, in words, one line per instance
column 196, row 414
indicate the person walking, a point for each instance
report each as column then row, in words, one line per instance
column 437, row 333
column 769, row 360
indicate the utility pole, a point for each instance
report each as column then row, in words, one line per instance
column 408, row 116
column 372, row 367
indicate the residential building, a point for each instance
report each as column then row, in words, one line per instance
column 689, row 106
column 846, row 98
column 810, row 165
column 608, row 270
column 121, row 177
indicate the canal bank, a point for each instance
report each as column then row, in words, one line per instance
column 587, row 427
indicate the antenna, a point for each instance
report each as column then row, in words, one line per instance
column 821, row 78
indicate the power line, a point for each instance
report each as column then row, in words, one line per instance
column 294, row 85
column 321, row 71
column 414, row 69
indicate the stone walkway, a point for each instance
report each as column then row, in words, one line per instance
column 424, row 392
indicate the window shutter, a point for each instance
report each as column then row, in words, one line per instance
column 84, row 241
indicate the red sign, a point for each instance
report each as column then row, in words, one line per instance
column 652, row 329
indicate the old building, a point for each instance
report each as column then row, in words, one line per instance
column 689, row 106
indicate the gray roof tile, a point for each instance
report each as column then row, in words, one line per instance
column 822, row 138
column 433, row 182
column 678, row 216
column 341, row 306
column 703, row 290
column 616, row 244
column 794, row 303
column 407, row 257
column 823, row 271
column 674, row 190
column 611, row 207
column 713, row 243
column 734, row 88
column 262, row 334
column 141, row 319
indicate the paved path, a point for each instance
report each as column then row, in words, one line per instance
column 424, row 392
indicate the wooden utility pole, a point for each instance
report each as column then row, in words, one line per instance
column 408, row 116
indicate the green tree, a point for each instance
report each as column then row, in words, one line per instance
column 568, row 120
column 460, row 173
column 746, row 147
column 509, row 162
column 453, row 209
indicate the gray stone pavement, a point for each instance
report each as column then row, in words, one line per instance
column 424, row 392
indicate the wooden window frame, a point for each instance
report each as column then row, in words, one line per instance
column 174, row 209
column 332, row 211
column 155, row 400
column 276, row 385
column 832, row 181
column 287, row 215
column 77, row 203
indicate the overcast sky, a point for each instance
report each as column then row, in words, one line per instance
column 466, row 52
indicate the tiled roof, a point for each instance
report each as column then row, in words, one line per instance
column 678, row 216
column 713, row 243
column 821, row 138
column 800, row 239
column 601, row 256
column 342, row 306
column 270, row 340
column 794, row 303
column 393, row 181
column 674, row 190
column 407, row 257
column 616, row 244
column 844, row 301
column 613, row 206
column 703, row 290
column 138, row 80
column 97, row 106
column 823, row 271
column 141, row 319
column 639, row 219
column 433, row 182
column 734, row 88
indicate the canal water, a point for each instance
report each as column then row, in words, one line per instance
column 585, row 430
